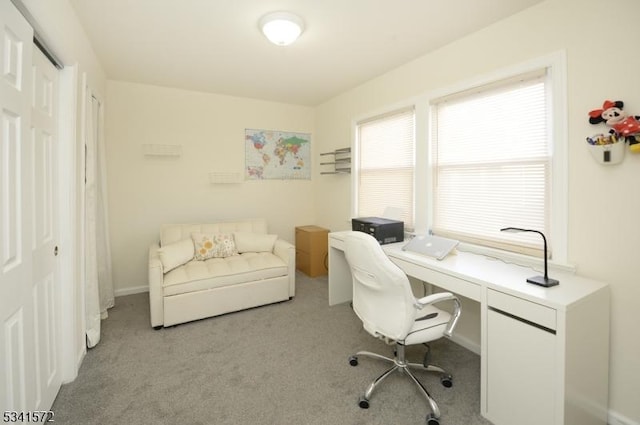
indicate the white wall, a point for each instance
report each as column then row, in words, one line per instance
column 601, row 42
column 145, row 192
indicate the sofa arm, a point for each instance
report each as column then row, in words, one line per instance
column 156, row 276
column 287, row 252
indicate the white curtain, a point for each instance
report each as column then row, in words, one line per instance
column 99, row 294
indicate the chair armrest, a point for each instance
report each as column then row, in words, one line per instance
column 434, row 298
column 156, row 280
column 440, row 297
column 287, row 252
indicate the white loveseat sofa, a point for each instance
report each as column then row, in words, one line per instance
column 250, row 268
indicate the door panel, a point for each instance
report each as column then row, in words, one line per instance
column 17, row 380
column 29, row 289
column 44, row 251
column 10, row 180
column 521, row 371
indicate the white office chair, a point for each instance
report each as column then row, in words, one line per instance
column 384, row 301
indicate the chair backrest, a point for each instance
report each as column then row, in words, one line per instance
column 382, row 296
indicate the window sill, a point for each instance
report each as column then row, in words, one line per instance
column 536, row 263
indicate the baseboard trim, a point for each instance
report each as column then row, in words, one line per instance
column 616, row 418
column 130, row 291
column 466, row 343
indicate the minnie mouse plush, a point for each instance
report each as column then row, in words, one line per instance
column 624, row 125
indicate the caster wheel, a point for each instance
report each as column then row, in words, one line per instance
column 363, row 403
column 447, row 381
column 353, row 361
column 432, row 420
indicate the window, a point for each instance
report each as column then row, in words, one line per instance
column 385, row 166
column 492, row 163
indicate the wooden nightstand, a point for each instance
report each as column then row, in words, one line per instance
column 311, row 250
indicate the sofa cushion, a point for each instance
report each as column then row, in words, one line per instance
column 176, row 254
column 254, row 242
column 220, row 245
column 218, row 272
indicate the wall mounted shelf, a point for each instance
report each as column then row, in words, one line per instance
column 341, row 161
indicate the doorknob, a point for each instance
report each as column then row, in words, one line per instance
column 55, row 250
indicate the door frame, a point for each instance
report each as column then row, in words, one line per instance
column 87, row 92
column 73, row 347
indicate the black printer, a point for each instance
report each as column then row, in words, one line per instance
column 384, row 230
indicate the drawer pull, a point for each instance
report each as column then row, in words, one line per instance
column 520, row 319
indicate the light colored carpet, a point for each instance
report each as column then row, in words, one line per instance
column 282, row 364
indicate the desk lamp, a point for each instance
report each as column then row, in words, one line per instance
column 537, row 280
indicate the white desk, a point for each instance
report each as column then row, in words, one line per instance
column 544, row 351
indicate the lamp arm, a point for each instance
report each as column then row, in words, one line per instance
column 546, row 275
column 538, row 280
column 544, row 239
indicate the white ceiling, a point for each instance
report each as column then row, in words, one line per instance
column 216, row 46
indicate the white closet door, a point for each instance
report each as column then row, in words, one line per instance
column 29, row 376
column 46, row 287
column 17, row 354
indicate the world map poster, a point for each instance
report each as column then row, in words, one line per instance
column 277, row 155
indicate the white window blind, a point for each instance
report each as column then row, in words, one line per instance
column 386, row 166
column 492, row 164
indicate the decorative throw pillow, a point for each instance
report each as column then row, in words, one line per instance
column 176, row 254
column 207, row 246
column 254, row 242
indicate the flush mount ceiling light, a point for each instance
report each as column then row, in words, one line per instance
column 281, row 28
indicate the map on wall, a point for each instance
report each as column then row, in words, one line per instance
column 277, row 155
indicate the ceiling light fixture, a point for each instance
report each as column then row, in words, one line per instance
column 281, row 28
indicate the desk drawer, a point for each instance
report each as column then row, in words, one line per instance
column 442, row 280
column 523, row 309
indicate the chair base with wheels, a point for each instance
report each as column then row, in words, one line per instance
column 401, row 365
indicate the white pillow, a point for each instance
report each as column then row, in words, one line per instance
column 176, row 254
column 219, row 245
column 254, row 242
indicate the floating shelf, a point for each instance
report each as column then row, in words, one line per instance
column 341, row 161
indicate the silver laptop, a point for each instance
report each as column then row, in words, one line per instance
column 433, row 246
